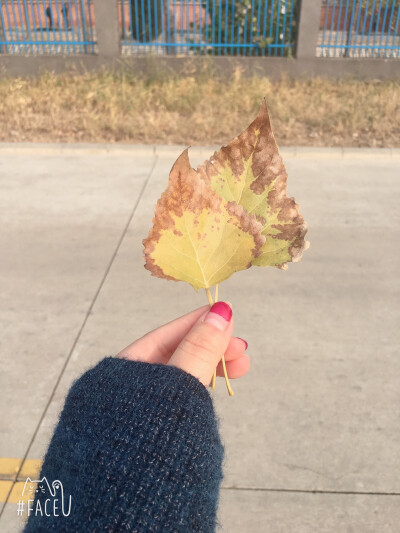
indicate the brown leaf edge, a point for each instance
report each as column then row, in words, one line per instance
column 186, row 190
column 267, row 163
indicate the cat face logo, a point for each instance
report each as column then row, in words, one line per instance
column 50, row 498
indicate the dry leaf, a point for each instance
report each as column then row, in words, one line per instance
column 228, row 214
column 250, row 171
column 199, row 237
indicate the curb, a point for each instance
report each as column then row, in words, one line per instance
column 200, row 151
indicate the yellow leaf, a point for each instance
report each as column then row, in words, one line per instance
column 197, row 236
column 250, row 171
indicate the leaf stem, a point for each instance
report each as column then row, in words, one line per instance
column 210, row 300
column 228, row 385
column 214, row 378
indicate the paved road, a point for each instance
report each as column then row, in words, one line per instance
column 312, row 433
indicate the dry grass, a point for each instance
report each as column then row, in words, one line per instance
column 123, row 108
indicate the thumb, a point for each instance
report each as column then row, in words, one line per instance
column 202, row 348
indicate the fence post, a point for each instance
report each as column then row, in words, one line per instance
column 2, row 36
column 107, row 28
column 308, row 29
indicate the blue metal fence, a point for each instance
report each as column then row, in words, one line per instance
column 46, row 27
column 348, row 28
column 363, row 28
column 215, row 27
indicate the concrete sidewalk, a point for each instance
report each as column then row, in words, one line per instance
column 312, row 433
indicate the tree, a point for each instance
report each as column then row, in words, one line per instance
column 146, row 19
column 258, row 23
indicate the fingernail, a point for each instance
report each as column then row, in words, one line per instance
column 219, row 315
column 245, row 342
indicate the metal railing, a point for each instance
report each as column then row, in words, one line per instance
column 46, row 27
column 360, row 28
column 213, row 27
column 331, row 29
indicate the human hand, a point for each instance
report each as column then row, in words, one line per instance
column 195, row 342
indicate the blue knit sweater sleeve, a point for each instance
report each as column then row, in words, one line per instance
column 137, row 448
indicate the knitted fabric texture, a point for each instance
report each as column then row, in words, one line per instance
column 138, row 449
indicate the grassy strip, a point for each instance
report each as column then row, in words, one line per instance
column 110, row 107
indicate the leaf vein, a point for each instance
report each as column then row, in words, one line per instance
column 227, row 261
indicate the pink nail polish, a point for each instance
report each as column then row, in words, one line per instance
column 219, row 315
column 246, row 343
column 223, row 309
